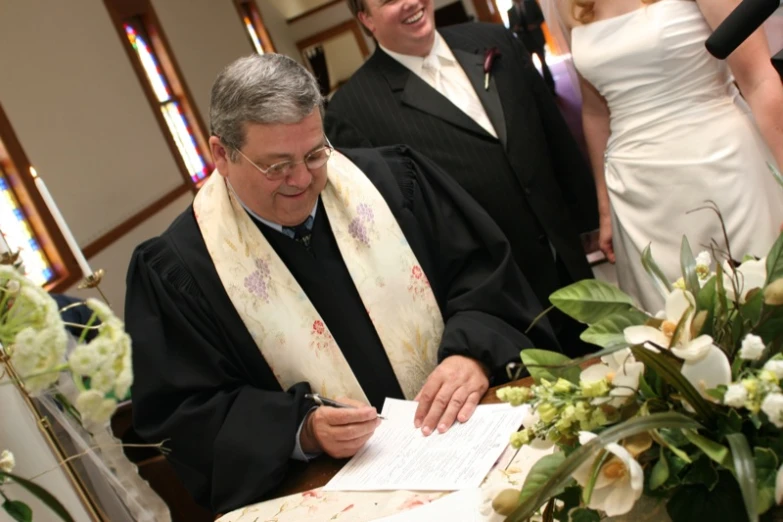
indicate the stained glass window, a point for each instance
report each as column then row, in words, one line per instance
column 254, row 27
column 19, row 236
column 177, row 121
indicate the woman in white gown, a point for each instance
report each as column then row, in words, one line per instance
column 667, row 130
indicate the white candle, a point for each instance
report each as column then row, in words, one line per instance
column 61, row 224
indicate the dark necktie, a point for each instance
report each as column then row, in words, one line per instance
column 301, row 233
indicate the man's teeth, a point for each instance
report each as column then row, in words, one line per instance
column 415, row 18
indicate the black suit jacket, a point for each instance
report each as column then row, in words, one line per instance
column 533, row 180
column 531, row 38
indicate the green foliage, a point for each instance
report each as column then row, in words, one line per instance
column 696, row 502
column 543, row 364
column 583, row 515
column 608, row 332
column 540, row 473
column 688, row 267
column 745, row 472
column 775, row 261
column 766, row 463
column 659, row 279
column 660, row 471
column 17, row 510
column 590, row 300
column 41, row 494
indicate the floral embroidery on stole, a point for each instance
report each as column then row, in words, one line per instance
column 289, row 332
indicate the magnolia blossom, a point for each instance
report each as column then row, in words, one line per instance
column 772, row 406
column 679, row 307
column 709, row 372
column 749, row 275
column 752, row 348
column 779, row 487
column 621, row 371
column 619, row 483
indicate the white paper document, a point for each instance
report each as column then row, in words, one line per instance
column 399, row 456
column 464, row 506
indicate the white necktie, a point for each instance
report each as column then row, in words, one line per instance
column 462, row 96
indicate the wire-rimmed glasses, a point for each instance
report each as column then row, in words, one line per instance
column 313, row 160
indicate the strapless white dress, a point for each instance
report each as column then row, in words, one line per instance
column 680, row 135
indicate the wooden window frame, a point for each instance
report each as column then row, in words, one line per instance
column 258, row 24
column 125, row 11
column 17, row 170
column 349, row 25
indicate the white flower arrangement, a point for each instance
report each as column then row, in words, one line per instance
column 34, row 349
column 684, row 406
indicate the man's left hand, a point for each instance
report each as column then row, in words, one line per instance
column 451, row 393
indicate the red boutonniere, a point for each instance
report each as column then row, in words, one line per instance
column 489, row 59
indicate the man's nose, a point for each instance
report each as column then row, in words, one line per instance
column 300, row 176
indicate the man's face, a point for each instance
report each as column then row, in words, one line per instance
column 286, row 201
column 402, row 26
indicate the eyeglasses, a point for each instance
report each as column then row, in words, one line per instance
column 313, row 160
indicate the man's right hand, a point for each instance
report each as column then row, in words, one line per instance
column 339, row 432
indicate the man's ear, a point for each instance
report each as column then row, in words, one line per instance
column 219, row 155
column 366, row 21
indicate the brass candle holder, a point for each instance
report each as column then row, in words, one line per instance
column 94, row 281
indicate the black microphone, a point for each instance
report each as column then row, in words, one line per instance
column 739, row 25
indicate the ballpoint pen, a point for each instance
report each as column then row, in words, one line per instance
column 323, row 401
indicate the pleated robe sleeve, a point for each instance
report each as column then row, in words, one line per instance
column 201, row 385
column 486, row 302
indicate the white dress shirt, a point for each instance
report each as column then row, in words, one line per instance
column 443, row 73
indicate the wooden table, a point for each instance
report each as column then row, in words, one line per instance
column 318, row 472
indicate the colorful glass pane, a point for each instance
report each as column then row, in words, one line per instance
column 185, row 141
column 177, row 123
column 19, row 236
column 149, row 63
column 251, row 31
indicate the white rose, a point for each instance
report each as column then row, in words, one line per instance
column 775, row 366
column 736, row 395
column 772, row 405
column 752, row 348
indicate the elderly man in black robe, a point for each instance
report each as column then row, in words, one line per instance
column 298, row 269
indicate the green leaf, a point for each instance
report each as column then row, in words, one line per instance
column 775, row 261
column 706, row 301
column 766, row 474
column 729, row 421
column 41, row 494
column 745, row 472
column 717, row 452
column 696, row 503
column 541, row 471
column 688, row 267
column 543, row 364
column 670, row 373
column 587, row 491
column 775, row 173
column 660, row 472
column 608, row 332
column 702, row 472
column 659, row 279
column 18, row 510
column 590, row 300
column 583, row 515
column 646, row 389
column 558, row 479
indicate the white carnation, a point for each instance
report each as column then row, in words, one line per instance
column 7, row 461
column 752, row 348
column 736, row 395
column 85, row 360
column 775, row 366
column 772, row 405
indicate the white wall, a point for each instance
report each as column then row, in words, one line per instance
column 343, row 57
column 279, row 30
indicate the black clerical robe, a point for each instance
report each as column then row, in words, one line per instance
column 200, row 380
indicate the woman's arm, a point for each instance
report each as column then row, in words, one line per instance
column 595, row 122
column 757, row 79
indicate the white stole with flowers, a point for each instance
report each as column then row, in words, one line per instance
column 285, row 326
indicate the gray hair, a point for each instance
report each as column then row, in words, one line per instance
column 265, row 89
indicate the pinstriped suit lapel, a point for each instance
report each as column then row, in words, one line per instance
column 418, row 95
column 473, row 65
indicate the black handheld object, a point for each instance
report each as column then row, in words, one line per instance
column 739, row 25
column 323, row 401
